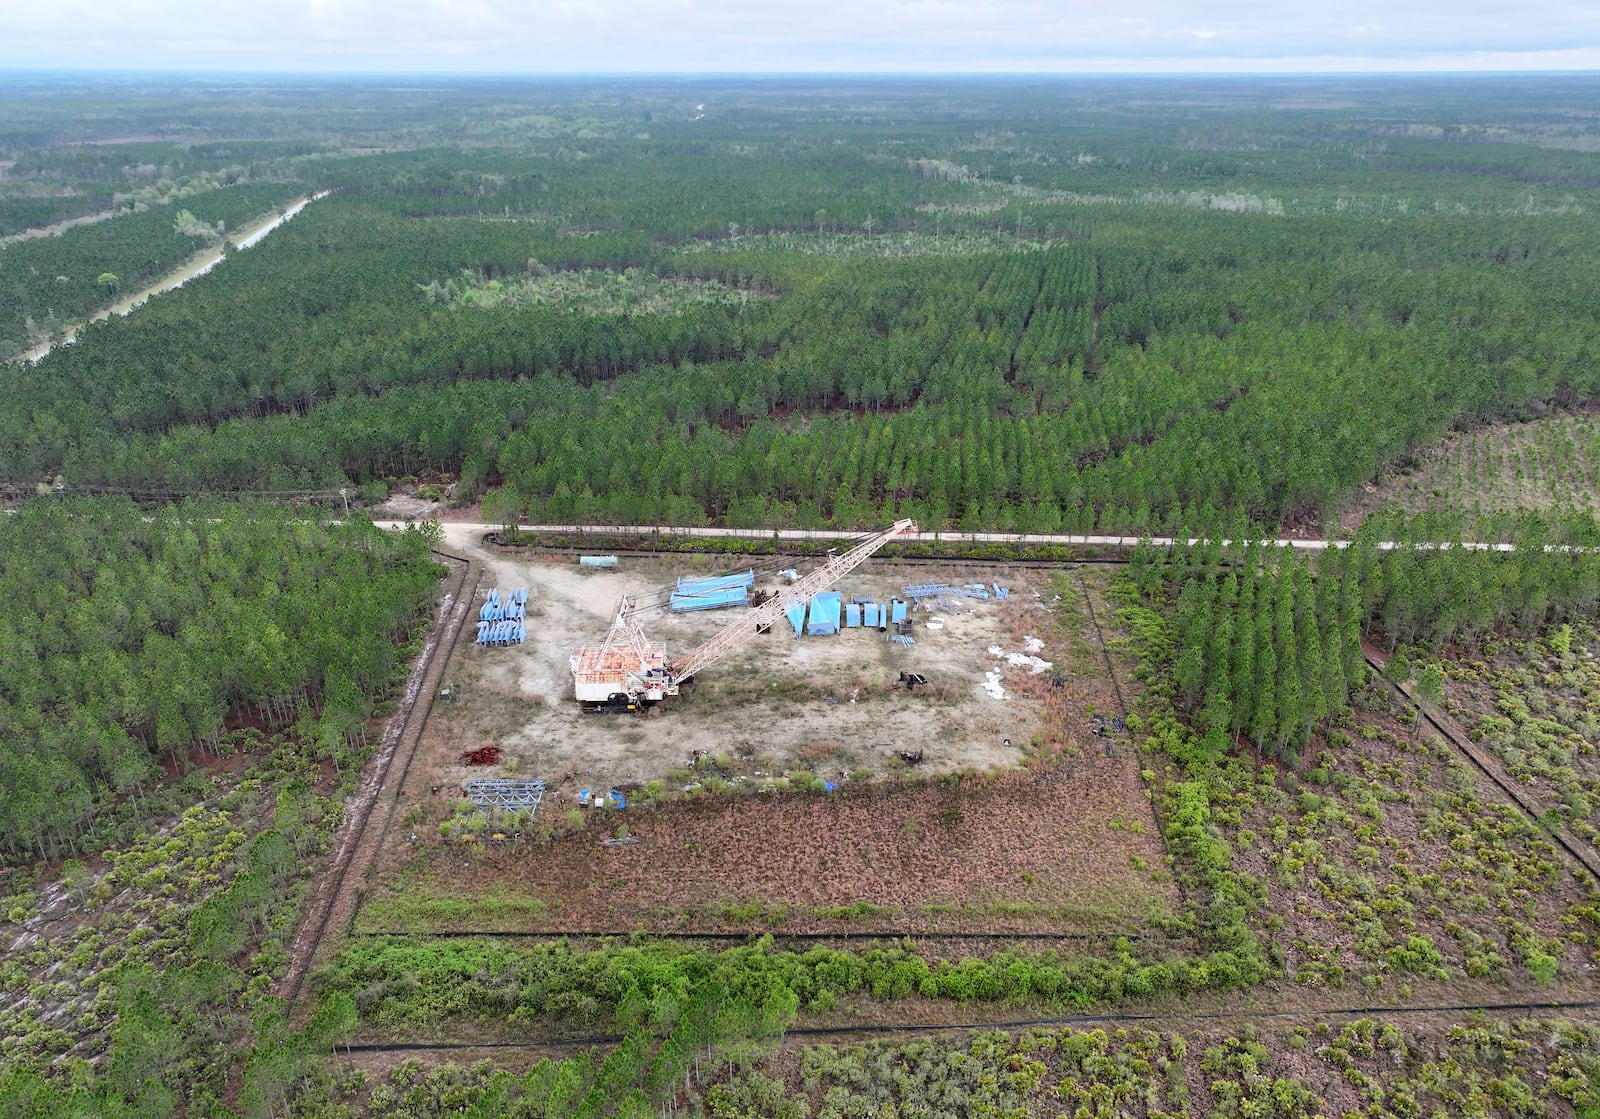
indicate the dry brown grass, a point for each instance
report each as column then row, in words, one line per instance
column 1018, row 852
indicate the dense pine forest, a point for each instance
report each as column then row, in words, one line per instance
column 995, row 316
column 1232, row 308
column 134, row 638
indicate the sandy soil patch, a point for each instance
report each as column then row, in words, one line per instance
column 728, row 827
column 778, row 698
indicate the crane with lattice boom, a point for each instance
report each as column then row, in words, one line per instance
column 628, row 663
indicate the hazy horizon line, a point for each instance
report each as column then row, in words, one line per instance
column 8, row 72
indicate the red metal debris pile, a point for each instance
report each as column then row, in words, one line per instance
column 487, row 755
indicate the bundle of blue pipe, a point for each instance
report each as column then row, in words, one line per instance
column 506, row 632
column 512, row 607
column 502, row 619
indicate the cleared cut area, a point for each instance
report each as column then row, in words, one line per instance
column 1551, row 463
column 777, row 698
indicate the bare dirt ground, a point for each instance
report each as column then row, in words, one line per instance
column 1069, row 848
column 727, row 827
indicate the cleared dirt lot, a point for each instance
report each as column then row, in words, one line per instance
column 783, row 700
column 728, row 826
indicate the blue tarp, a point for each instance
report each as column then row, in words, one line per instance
column 796, row 613
column 825, row 609
column 852, row 615
column 869, row 614
column 883, row 615
column 897, row 610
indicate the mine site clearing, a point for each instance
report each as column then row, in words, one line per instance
column 857, row 830
column 784, row 700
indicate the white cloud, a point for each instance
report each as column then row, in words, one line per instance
column 545, row 36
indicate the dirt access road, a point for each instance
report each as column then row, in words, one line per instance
column 197, row 265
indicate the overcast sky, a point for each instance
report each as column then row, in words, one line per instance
column 728, row 36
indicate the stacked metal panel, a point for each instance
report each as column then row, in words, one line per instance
column 501, row 792
column 712, row 593
column 712, row 582
column 825, row 610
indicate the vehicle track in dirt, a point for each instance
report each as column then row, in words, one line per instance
column 1583, row 858
column 332, row 905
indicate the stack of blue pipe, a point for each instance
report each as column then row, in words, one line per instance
column 503, row 620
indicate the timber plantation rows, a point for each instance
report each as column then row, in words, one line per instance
column 1273, row 833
